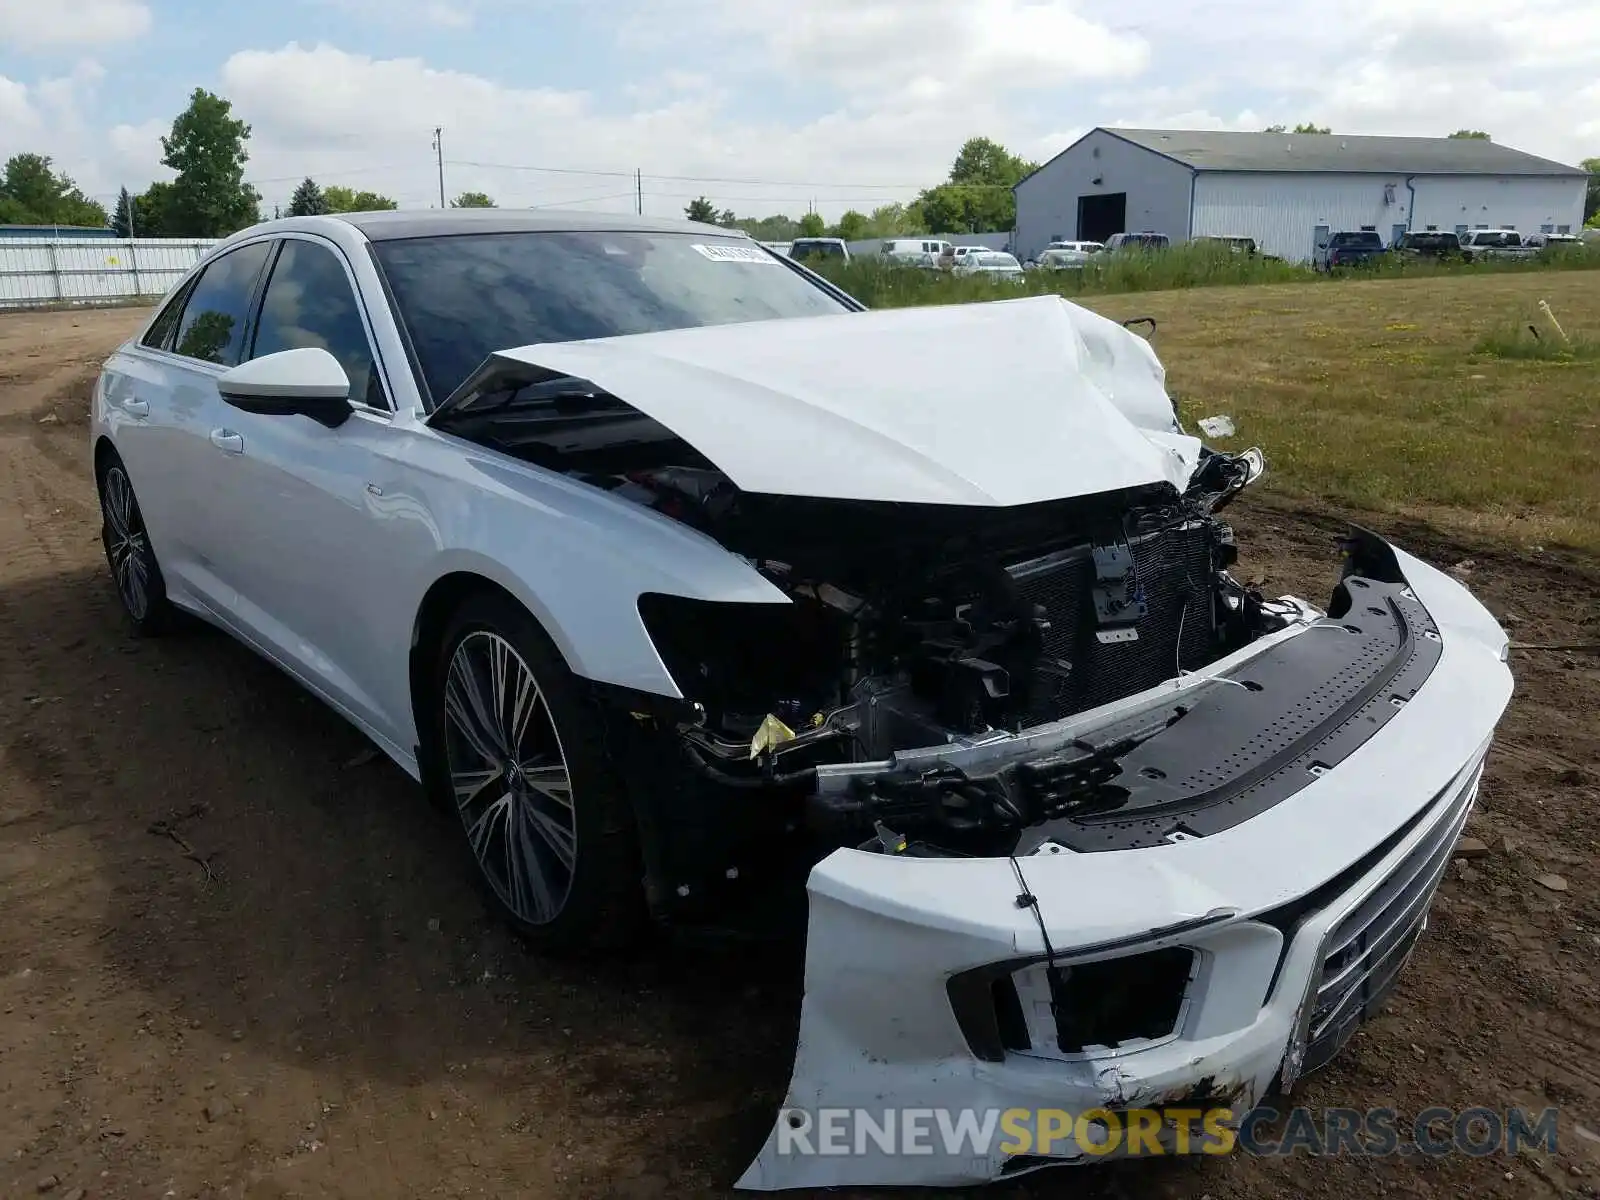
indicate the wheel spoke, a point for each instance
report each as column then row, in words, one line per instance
column 555, row 835
column 481, row 832
column 550, row 782
column 464, row 704
column 470, row 785
column 529, row 870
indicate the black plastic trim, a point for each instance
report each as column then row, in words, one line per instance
column 1304, row 706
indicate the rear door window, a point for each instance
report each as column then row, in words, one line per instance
column 212, row 328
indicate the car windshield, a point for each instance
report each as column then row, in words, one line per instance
column 462, row 297
column 1365, row 238
column 996, row 261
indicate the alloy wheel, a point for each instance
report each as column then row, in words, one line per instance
column 127, row 543
column 509, row 777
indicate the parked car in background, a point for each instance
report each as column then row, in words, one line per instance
column 1348, row 249
column 1238, row 243
column 1058, row 256
column 1487, row 245
column 1137, row 241
column 1544, row 241
column 996, row 264
column 921, row 252
column 819, row 248
column 1428, row 243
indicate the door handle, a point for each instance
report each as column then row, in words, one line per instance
column 136, row 408
column 227, row 440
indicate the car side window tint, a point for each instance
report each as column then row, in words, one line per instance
column 158, row 336
column 212, row 328
column 309, row 302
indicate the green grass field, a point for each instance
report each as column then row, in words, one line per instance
column 1409, row 396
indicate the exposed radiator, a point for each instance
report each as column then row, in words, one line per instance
column 1172, row 568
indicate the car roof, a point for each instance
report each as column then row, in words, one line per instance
column 434, row 222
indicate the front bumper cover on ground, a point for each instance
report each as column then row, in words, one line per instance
column 1298, row 920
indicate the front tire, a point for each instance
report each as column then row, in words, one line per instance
column 134, row 570
column 519, row 759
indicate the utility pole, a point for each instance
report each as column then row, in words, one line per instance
column 438, row 147
column 638, row 190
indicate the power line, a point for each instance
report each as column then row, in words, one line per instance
column 874, row 187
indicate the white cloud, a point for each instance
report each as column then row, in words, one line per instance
column 47, row 24
column 871, row 47
column 346, row 117
column 48, row 117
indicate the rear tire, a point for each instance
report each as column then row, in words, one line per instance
column 141, row 589
column 516, row 752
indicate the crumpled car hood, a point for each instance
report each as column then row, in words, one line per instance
column 994, row 404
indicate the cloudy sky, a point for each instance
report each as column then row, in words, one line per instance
column 762, row 105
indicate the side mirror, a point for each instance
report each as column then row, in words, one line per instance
column 307, row 382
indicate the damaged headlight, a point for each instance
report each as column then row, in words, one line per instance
column 742, row 662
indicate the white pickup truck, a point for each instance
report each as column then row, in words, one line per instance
column 1488, row 244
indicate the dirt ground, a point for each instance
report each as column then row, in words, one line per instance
column 235, row 961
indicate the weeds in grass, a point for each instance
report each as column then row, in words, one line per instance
column 880, row 283
column 1529, row 342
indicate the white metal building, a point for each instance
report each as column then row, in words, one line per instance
column 1285, row 190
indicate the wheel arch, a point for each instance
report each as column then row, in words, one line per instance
column 104, row 452
column 444, row 595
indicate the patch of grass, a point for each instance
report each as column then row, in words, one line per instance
column 1372, row 394
column 1529, row 342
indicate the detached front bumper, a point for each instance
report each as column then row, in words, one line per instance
column 929, row 982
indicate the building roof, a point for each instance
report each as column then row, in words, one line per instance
column 1206, row 150
column 437, row 222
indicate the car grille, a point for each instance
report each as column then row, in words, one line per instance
column 1363, row 954
column 1174, row 567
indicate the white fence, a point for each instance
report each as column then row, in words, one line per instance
column 36, row 271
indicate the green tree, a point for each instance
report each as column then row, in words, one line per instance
column 977, row 197
column 152, row 212
column 1591, row 201
column 122, row 222
column 895, row 220
column 343, row 200
column 1276, row 129
column 852, row 226
column 1307, row 127
column 1472, row 134
column 701, row 209
column 473, row 200
column 811, row 225
column 308, row 200
column 206, row 147
column 31, row 193
column 776, row 228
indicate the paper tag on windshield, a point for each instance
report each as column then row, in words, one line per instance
column 738, row 254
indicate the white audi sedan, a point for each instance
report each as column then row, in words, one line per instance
column 685, row 583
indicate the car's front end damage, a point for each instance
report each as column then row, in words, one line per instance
column 1085, row 822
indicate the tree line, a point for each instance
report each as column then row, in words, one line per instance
column 208, row 197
